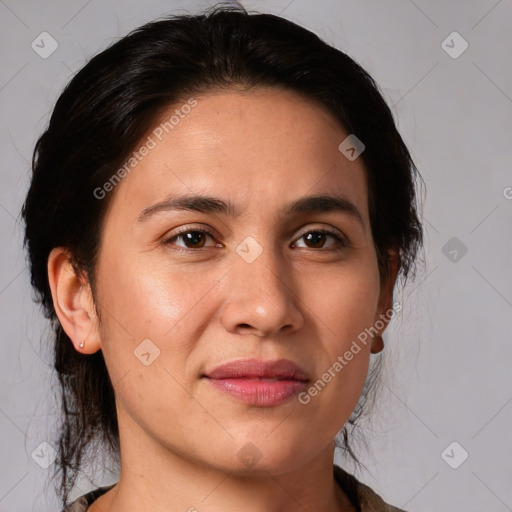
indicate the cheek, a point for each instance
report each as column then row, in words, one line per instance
column 343, row 301
column 147, row 299
column 343, row 304
column 143, row 302
column 152, row 311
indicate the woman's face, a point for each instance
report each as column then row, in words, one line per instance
column 244, row 275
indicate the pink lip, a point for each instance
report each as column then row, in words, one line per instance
column 259, row 383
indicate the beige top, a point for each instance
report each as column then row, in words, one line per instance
column 361, row 496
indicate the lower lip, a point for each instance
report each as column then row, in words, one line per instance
column 262, row 393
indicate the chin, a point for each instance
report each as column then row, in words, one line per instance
column 265, row 454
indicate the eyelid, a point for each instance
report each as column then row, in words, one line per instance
column 340, row 237
column 187, row 229
column 339, row 244
column 323, row 229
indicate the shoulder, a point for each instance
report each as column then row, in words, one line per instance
column 362, row 496
column 82, row 503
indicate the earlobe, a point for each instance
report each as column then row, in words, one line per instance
column 385, row 306
column 73, row 303
column 377, row 345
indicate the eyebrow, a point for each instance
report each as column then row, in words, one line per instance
column 206, row 204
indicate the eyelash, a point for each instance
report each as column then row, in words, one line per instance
column 341, row 242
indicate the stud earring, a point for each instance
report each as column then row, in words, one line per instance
column 82, row 343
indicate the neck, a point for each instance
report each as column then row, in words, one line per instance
column 159, row 479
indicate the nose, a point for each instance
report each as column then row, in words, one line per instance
column 260, row 298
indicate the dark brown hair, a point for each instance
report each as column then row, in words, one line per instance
column 108, row 107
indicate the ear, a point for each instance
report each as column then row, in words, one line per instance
column 385, row 303
column 73, row 301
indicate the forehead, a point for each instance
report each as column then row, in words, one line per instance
column 267, row 145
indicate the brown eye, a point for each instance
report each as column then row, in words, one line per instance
column 192, row 239
column 317, row 238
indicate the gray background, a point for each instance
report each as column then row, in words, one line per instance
column 448, row 354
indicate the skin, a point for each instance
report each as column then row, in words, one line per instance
column 301, row 301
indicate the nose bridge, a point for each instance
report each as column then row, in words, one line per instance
column 261, row 269
column 260, row 296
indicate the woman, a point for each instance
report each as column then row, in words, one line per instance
column 219, row 212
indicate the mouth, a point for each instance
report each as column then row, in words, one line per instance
column 258, row 383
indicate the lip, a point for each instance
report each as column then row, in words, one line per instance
column 259, row 383
column 256, row 368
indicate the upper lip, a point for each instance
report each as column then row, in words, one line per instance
column 254, row 368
